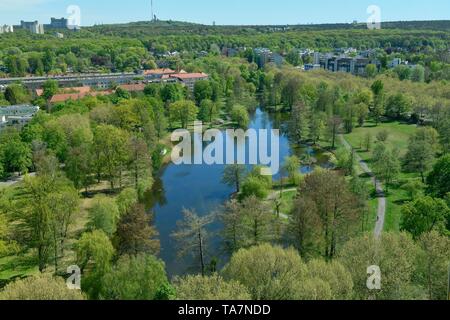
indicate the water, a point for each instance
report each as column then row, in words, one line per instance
column 199, row 187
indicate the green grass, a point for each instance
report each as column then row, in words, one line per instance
column 287, row 201
column 399, row 134
column 17, row 266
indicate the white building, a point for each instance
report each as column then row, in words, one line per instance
column 6, row 29
column 17, row 116
column 34, row 27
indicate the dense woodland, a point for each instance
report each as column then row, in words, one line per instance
column 89, row 165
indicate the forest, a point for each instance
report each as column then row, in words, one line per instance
column 84, row 169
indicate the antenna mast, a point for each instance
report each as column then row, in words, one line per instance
column 153, row 15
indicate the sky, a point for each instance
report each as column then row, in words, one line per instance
column 224, row 12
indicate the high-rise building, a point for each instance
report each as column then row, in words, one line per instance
column 58, row 23
column 6, row 29
column 34, row 27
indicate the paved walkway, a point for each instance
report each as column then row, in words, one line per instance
column 381, row 212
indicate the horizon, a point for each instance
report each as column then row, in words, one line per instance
column 231, row 13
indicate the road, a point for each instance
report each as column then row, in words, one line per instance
column 12, row 181
column 381, row 211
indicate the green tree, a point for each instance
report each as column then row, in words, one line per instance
column 41, row 287
column 439, row 178
column 94, row 257
column 209, row 288
column 104, row 215
column 50, row 88
column 234, row 175
column 134, row 278
column 433, row 264
column 386, row 164
column 269, row 273
column 16, row 94
column 208, row 110
column 183, row 111
column 395, row 254
column 239, row 115
column 202, row 91
column 292, row 167
column 424, row 215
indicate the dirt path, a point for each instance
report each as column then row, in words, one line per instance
column 381, row 211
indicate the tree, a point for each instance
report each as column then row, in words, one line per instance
column 233, row 175
column 209, row 288
column 16, row 94
column 368, row 141
column 300, row 122
column 293, row 57
column 413, row 188
column 239, row 115
column 140, row 161
column 334, row 124
column 254, row 186
column 419, row 157
column 40, row 287
column 371, row 71
column 232, row 218
column 305, row 227
column 317, row 127
column 110, row 149
column 208, row 110
column 134, row 278
column 268, row 273
column 336, row 206
column 94, row 256
column 258, row 222
column 439, row 178
column 78, row 166
column 433, row 264
column 183, row 111
column 202, row 91
column 335, row 274
column 383, row 136
column 136, row 233
column 292, row 167
column 192, row 237
column 395, row 254
column 172, row 92
column 15, row 155
column 50, row 88
column 418, row 74
column 378, row 102
column 104, row 215
column 386, row 164
column 398, row 106
column 424, row 215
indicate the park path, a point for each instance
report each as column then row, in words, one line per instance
column 276, row 194
column 14, row 180
column 381, row 211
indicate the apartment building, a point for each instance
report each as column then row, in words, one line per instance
column 17, row 116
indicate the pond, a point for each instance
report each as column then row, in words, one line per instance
column 199, row 187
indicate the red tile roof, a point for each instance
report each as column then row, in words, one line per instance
column 133, row 87
column 159, row 71
column 74, row 90
column 76, row 96
column 186, row 76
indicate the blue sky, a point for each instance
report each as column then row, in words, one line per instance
column 225, row 11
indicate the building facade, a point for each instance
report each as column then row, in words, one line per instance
column 17, row 116
column 34, row 27
column 6, row 29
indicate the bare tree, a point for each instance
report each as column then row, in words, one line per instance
column 192, row 237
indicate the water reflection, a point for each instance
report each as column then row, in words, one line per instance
column 199, row 187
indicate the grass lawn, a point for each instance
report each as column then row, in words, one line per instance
column 399, row 134
column 17, row 266
column 287, row 201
